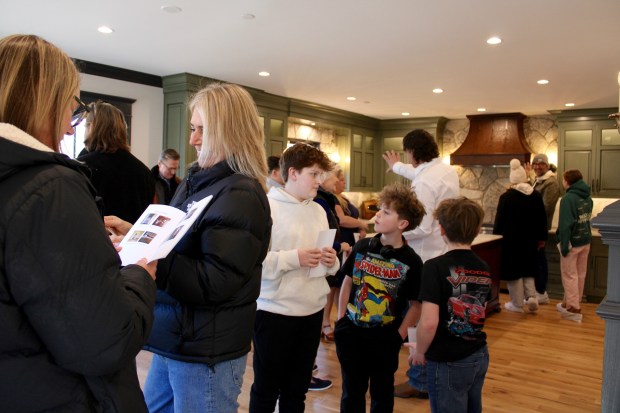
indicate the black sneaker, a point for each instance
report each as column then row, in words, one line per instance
column 317, row 384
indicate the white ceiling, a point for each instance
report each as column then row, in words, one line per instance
column 389, row 54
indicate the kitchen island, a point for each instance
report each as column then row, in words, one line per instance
column 489, row 248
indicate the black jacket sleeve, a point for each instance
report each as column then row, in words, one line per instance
column 221, row 254
column 65, row 275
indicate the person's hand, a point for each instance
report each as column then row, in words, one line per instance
column 116, row 226
column 150, row 267
column 415, row 358
column 328, row 256
column 391, row 157
column 363, row 227
column 345, row 247
column 309, row 257
column 363, row 233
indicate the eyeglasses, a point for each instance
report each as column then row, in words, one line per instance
column 80, row 113
column 172, row 170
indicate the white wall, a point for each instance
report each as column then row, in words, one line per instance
column 147, row 122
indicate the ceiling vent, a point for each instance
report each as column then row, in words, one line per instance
column 493, row 140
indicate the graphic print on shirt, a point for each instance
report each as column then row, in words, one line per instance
column 376, row 282
column 466, row 307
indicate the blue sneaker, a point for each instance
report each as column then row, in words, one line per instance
column 317, row 384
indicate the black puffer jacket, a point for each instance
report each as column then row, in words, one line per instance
column 208, row 286
column 71, row 322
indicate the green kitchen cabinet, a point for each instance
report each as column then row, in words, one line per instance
column 595, row 287
column 363, row 161
column 590, row 142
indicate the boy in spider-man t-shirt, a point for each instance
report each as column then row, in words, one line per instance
column 382, row 277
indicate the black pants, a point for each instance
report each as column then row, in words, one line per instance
column 284, row 351
column 367, row 354
column 543, row 272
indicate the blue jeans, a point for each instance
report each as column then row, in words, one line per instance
column 456, row 387
column 177, row 386
column 417, row 377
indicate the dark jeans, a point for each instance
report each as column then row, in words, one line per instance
column 367, row 354
column 456, row 386
column 284, row 351
column 543, row 272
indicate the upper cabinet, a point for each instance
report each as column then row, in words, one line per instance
column 363, row 161
column 590, row 142
column 356, row 142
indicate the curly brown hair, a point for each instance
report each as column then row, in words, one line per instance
column 401, row 199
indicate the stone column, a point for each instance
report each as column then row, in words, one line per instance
column 608, row 224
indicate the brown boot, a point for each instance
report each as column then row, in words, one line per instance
column 405, row 390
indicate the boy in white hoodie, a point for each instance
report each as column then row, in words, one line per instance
column 290, row 307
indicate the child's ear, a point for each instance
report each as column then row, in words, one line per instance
column 443, row 231
column 402, row 224
column 292, row 174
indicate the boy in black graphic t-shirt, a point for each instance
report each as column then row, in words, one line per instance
column 455, row 289
column 382, row 277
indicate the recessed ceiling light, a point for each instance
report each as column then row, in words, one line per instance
column 481, row 109
column 494, row 40
column 249, row 16
column 569, row 105
column 171, row 9
column 105, row 29
column 351, row 98
column 437, row 90
column 542, row 82
column 405, row 113
column 264, row 74
column 312, row 123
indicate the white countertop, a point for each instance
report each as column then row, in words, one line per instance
column 482, row 238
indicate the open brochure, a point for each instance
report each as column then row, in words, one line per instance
column 157, row 231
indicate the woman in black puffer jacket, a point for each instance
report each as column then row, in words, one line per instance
column 208, row 286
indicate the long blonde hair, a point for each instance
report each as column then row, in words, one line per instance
column 37, row 84
column 231, row 130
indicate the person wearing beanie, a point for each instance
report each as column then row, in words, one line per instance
column 522, row 222
column 546, row 183
column 574, row 235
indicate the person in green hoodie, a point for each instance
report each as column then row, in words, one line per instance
column 574, row 234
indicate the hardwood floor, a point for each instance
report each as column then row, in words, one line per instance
column 539, row 363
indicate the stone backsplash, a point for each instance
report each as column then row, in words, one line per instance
column 485, row 184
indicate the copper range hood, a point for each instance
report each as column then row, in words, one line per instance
column 493, row 140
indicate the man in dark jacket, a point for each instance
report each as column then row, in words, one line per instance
column 164, row 173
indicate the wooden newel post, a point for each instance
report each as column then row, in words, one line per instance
column 608, row 224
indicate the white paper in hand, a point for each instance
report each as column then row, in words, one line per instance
column 157, row 231
column 325, row 239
